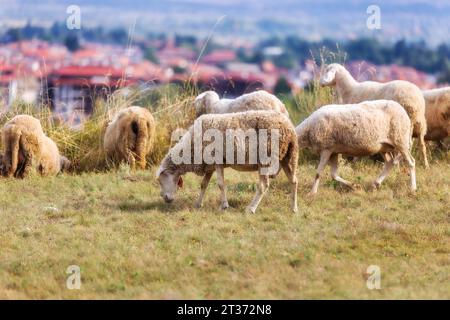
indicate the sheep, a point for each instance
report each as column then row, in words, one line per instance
column 437, row 113
column 209, row 102
column 367, row 128
column 232, row 130
column 403, row 92
column 129, row 136
column 26, row 147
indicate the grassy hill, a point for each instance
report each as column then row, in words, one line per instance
column 129, row 244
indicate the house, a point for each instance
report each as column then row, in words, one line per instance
column 219, row 57
column 17, row 85
column 75, row 88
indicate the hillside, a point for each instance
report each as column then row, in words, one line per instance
column 129, row 244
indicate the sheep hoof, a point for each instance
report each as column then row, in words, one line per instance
column 295, row 209
column 250, row 210
column 352, row 186
column 197, row 205
column 311, row 194
column 224, row 206
column 375, row 186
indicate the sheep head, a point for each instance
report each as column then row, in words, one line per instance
column 204, row 102
column 328, row 75
column 169, row 182
column 65, row 164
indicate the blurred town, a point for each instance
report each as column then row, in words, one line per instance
column 68, row 76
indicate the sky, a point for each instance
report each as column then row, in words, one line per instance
column 414, row 20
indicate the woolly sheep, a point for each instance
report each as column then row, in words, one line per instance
column 209, row 102
column 379, row 126
column 26, row 147
column 129, row 136
column 405, row 93
column 437, row 113
column 169, row 173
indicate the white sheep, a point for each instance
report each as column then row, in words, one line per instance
column 408, row 95
column 209, row 102
column 379, row 126
column 233, row 129
column 437, row 112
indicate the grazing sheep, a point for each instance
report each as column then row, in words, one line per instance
column 26, row 147
column 129, row 136
column 403, row 92
column 379, row 126
column 229, row 127
column 437, row 113
column 209, row 102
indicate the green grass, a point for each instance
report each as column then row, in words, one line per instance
column 129, row 244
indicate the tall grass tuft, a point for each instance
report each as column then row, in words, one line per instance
column 171, row 105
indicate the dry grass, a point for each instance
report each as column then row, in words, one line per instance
column 130, row 244
column 170, row 105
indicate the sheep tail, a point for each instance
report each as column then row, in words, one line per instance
column 140, row 129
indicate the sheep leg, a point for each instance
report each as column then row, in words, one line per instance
column 388, row 164
column 221, row 182
column 334, row 171
column 203, row 186
column 324, row 157
column 263, row 186
column 131, row 160
column 423, row 149
column 412, row 168
column 25, row 168
column 293, row 180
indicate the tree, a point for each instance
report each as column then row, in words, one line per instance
column 285, row 60
column 119, row 36
column 13, row 35
column 71, row 42
column 444, row 76
column 282, row 86
column 149, row 54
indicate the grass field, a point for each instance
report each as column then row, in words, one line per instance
column 129, row 244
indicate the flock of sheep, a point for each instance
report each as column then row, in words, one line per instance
column 372, row 118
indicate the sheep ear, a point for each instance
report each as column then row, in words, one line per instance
column 180, row 182
column 158, row 173
column 202, row 95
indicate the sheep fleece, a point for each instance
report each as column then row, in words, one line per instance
column 258, row 100
column 357, row 130
column 26, row 146
column 257, row 120
column 437, row 112
column 129, row 136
